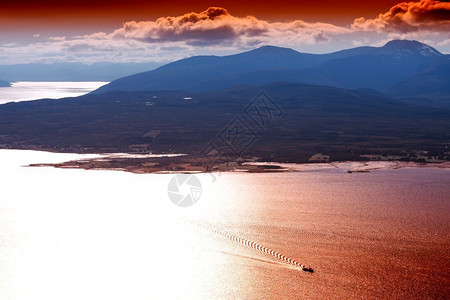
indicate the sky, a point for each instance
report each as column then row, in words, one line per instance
column 162, row 31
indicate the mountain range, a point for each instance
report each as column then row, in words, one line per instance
column 340, row 122
column 393, row 69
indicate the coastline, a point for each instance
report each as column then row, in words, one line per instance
column 183, row 163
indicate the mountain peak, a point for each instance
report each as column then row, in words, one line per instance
column 362, row 67
column 273, row 50
column 413, row 47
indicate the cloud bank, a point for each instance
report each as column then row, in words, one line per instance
column 216, row 31
column 215, row 26
column 426, row 15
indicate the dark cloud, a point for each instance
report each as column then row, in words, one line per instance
column 409, row 16
column 214, row 25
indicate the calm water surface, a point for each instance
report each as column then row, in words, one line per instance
column 27, row 90
column 75, row 234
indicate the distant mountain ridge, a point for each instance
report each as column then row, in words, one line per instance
column 4, row 83
column 379, row 68
column 68, row 71
column 391, row 47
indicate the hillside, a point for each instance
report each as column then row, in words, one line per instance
column 431, row 81
column 339, row 122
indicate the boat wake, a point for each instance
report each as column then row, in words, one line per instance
column 253, row 245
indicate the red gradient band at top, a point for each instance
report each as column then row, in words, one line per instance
column 101, row 10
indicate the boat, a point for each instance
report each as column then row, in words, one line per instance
column 308, row 269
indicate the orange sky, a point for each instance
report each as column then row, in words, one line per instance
column 54, row 15
column 91, row 31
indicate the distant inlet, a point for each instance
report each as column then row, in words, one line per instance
column 32, row 90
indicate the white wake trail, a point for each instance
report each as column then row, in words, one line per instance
column 253, row 245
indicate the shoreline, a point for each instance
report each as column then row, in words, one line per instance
column 184, row 163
